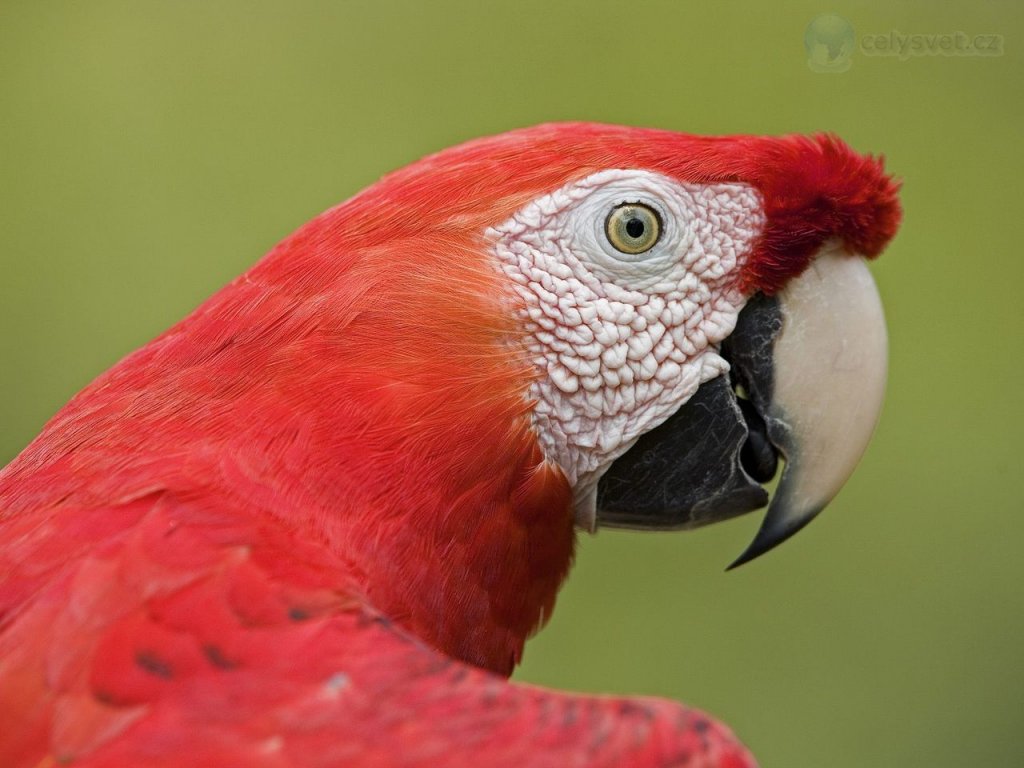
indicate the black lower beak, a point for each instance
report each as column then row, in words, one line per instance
column 707, row 461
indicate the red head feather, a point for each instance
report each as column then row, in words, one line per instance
column 814, row 188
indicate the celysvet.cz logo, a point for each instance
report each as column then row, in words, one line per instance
column 830, row 42
column 896, row 43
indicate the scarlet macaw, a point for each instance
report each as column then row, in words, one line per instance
column 314, row 523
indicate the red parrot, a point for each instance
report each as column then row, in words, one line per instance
column 313, row 524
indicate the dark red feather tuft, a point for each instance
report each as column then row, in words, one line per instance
column 816, row 189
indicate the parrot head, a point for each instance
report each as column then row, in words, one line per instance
column 695, row 311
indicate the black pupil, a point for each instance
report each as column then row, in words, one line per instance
column 634, row 228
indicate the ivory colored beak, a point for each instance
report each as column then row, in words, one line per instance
column 829, row 366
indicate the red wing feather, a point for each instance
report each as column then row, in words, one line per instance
column 187, row 639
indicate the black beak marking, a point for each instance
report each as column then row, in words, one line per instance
column 707, row 461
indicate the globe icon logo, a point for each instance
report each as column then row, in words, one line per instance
column 829, row 41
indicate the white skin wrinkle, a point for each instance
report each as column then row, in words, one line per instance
column 622, row 340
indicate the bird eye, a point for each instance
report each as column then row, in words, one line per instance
column 633, row 228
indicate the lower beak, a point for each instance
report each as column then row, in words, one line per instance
column 808, row 371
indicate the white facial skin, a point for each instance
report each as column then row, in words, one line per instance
column 623, row 340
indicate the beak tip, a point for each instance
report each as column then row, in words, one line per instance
column 775, row 529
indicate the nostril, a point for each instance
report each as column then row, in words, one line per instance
column 758, row 456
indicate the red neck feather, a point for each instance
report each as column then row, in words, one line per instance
column 368, row 393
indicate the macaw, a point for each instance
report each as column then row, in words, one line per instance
column 313, row 524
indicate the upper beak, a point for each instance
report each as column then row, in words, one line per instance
column 808, row 371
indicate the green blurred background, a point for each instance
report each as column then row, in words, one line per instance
column 150, row 151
